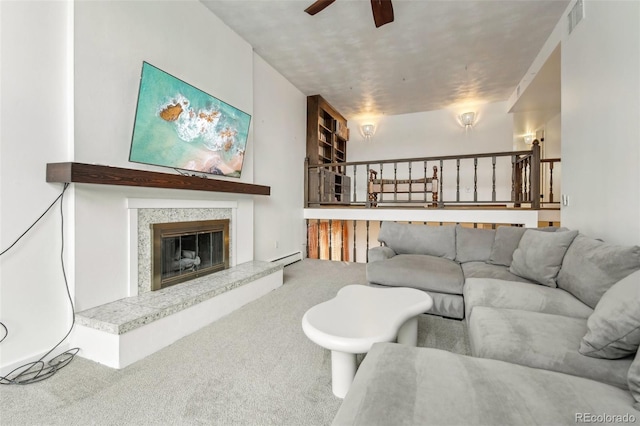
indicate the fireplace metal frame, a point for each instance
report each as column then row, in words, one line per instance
column 174, row 229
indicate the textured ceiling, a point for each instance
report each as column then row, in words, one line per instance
column 435, row 55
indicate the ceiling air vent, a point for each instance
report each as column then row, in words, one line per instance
column 576, row 15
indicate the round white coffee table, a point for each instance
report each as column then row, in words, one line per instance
column 358, row 317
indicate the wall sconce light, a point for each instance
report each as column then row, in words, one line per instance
column 528, row 138
column 367, row 131
column 467, row 120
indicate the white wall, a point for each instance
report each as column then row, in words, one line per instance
column 433, row 133
column 280, row 147
column 49, row 51
column 111, row 40
column 600, row 126
column 35, row 107
column 438, row 133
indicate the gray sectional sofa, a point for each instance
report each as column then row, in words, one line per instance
column 553, row 321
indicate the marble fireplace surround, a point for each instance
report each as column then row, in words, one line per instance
column 144, row 212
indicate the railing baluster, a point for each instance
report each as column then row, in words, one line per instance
column 369, row 186
column 355, row 259
column 380, row 227
column 367, row 225
column 425, row 183
column 306, row 221
column 513, row 178
column 525, row 180
column 410, row 183
column 475, row 179
column 458, row 180
column 493, row 191
column 355, row 195
column 395, row 185
column 381, row 185
column 551, row 182
column 441, row 198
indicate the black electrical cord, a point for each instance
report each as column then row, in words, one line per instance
column 39, row 370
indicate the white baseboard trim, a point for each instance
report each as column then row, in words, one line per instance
column 288, row 259
column 6, row 369
column 119, row 351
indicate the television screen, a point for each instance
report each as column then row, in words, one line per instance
column 182, row 127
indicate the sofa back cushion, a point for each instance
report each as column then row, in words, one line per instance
column 419, row 239
column 539, row 255
column 613, row 329
column 473, row 245
column 591, row 267
column 505, row 243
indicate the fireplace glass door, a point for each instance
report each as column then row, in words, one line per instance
column 186, row 250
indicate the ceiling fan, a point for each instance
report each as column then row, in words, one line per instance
column 382, row 10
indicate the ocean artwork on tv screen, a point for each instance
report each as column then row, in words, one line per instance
column 182, row 127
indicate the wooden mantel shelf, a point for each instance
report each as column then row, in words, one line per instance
column 107, row 175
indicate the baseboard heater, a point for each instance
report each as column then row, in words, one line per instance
column 289, row 259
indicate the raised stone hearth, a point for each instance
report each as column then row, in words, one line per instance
column 121, row 332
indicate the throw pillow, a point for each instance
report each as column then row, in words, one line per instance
column 613, row 329
column 539, row 255
column 505, row 243
column 591, row 267
column 633, row 380
column 473, row 245
column 403, row 238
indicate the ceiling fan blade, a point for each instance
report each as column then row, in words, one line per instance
column 382, row 12
column 318, row 6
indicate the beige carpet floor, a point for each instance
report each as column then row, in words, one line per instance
column 253, row 367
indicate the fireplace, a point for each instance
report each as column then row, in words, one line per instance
column 182, row 251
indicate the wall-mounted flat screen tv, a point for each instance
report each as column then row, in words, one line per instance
column 182, row 127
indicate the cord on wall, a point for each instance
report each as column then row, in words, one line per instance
column 39, row 370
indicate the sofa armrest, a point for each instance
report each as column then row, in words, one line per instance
column 380, row 253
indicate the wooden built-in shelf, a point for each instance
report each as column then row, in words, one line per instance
column 107, row 175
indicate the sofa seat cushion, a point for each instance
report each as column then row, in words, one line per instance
column 423, row 272
column 444, row 305
column 486, row 270
column 537, row 340
column 402, row 385
column 516, row 295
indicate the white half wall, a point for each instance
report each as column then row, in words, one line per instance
column 600, row 126
column 280, row 147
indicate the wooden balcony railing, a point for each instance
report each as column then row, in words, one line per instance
column 514, row 178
